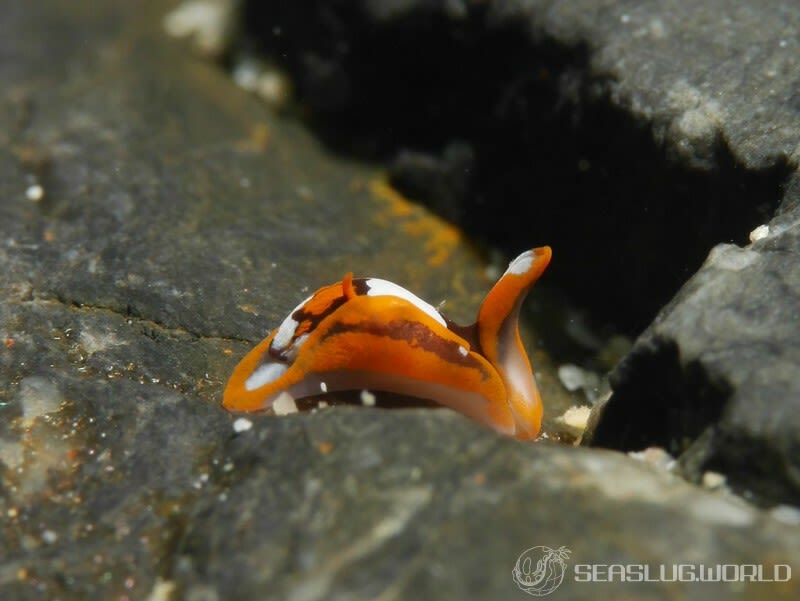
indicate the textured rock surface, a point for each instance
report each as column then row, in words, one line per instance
column 684, row 67
column 648, row 133
column 679, row 66
column 574, row 113
column 344, row 506
column 154, row 221
column 734, row 380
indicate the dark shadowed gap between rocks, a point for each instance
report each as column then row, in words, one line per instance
column 672, row 414
column 516, row 139
column 519, row 144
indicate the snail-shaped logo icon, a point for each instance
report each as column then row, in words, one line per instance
column 540, row 570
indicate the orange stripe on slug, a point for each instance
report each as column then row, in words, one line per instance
column 498, row 332
column 320, row 305
column 347, row 286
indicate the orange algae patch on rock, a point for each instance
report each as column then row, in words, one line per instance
column 438, row 238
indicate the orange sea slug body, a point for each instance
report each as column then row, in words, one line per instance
column 367, row 333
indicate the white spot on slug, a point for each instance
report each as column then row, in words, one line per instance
column 323, row 387
column 285, row 333
column 378, row 287
column 242, row 425
column 287, row 328
column 463, row 351
column 521, row 264
column 264, row 375
column 284, row 404
column 367, row 398
column 293, row 349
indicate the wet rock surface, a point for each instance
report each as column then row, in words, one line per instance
column 723, row 357
column 642, row 154
column 573, row 113
column 156, row 221
column 346, row 505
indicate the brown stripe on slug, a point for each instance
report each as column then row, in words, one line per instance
column 417, row 335
column 309, row 316
column 320, row 306
column 468, row 333
column 308, row 320
column 361, row 286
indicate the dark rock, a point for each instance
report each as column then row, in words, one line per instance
column 735, row 378
column 177, row 221
column 578, row 113
column 345, row 505
column 620, row 134
column 155, row 222
column 684, row 403
column 442, row 183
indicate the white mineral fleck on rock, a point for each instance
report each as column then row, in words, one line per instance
column 34, row 193
column 698, row 114
column 761, row 232
column 12, row 453
column 274, row 87
column 162, row 590
column 576, row 378
column 38, row 396
column 730, row 257
column 242, row 424
column 246, row 73
column 713, row 480
column 367, row 398
column 571, row 376
column 787, row 514
column 263, row 79
column 49, row 537
column 207, row 22
column 715, row 509
column 575, row 417
column 96, row 340
column 655, row 456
